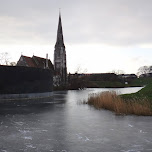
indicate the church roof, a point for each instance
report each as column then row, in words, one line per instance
column 41, row 62
column 60, row 40
column 29, row 61
column 35, row 61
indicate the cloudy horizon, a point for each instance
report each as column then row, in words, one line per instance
column 99, row 35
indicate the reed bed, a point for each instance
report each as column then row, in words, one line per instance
column 112, row 101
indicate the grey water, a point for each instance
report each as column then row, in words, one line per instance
column 64, row 125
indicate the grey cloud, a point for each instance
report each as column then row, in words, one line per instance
column 111, row 22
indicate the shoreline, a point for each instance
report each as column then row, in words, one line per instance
column 25, row 97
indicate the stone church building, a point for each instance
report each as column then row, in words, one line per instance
column 59, row 68
column 60, row 57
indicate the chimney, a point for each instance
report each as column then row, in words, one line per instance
column 47, row 61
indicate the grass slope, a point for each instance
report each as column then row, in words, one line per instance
column 144, row 93
column 119, row 84
column 141, row 81
column 105, row 84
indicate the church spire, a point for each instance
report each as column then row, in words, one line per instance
column 60, row 56
column 60, row 40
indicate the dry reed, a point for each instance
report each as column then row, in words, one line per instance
column 111, row 101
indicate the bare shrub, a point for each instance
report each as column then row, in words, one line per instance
column 111, row 101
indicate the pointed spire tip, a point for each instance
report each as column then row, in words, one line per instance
column 59, row 11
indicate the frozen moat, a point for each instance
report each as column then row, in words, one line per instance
column 64, row 125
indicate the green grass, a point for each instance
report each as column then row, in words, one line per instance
column 119, row 84
column 144, row 93
column 141, row 81
column 105, row 84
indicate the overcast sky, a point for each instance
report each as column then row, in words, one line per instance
column 99, row 35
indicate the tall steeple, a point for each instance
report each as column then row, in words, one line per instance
column 60, row 40
column 60, row 56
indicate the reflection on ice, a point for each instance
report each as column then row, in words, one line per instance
column 62, row 125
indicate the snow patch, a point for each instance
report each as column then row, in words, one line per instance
column 131, row 150
column 19, row 123
column 30, row 146
column 142, row 131
column 129, row 125
column 148, row 141
column 24, row 131
column 83, row 138
column 44, row 130
column 28, row 138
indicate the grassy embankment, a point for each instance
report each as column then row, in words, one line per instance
column 139, row 103
column 105, row 84
column 119, row 84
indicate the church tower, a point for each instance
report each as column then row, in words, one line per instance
column 60, row 56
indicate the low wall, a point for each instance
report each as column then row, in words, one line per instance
column 23, row 80
column 26, row 98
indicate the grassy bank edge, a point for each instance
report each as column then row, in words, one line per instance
column 129, row 104
column 145, row 94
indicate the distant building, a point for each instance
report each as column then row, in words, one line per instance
column 96, row 76
column 36, row 62
column 127, row 76
column 60, row 67
column 145, row 75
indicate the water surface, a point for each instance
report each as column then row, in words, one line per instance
column 63, row 125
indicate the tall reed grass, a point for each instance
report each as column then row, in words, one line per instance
column 112, row 101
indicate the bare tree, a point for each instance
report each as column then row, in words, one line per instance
column 144, row 70
column 80, row 70
column 12, row 64
column 4, row 58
